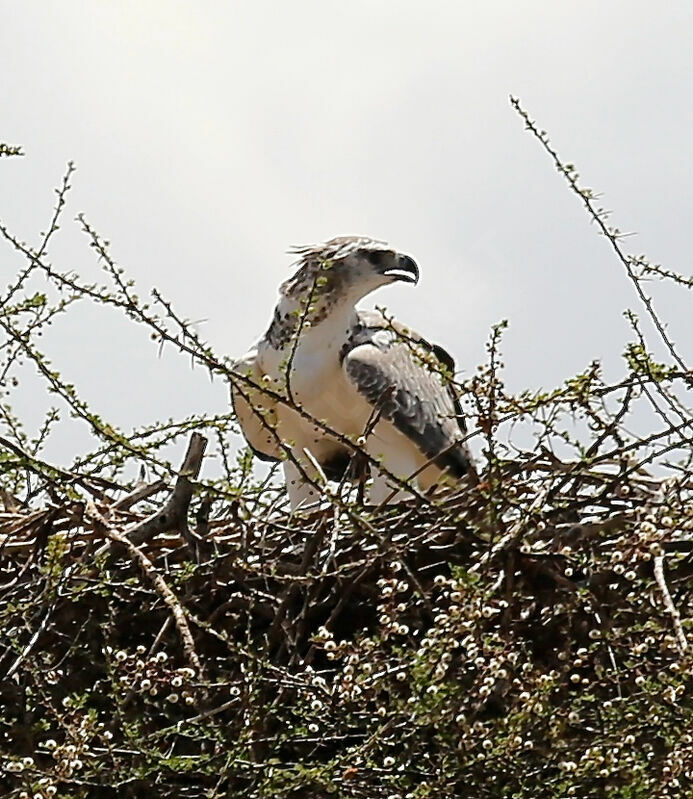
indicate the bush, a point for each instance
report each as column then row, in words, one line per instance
column 526, row 637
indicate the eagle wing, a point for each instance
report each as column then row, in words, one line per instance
column 403, row 377
column 255, row 411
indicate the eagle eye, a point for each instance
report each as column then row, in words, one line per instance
column 375, row 257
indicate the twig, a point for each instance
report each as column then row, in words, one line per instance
column 669, row 603
column 32, row 642
column 140, row 492
column 160, row 585
column 587, row 196
column 173, row 516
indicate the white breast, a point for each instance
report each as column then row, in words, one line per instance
column 318, row 383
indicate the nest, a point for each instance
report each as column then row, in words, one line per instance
column 524, row 638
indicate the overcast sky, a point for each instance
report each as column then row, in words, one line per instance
column 211, row 136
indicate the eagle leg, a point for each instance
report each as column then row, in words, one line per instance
column 301, row 493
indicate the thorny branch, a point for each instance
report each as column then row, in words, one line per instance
column 159, row 583
column 612, row 234
column 669, row 602
column 515, row 633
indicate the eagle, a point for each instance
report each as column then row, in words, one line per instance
column 327, row 375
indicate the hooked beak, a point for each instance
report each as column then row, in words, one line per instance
column 404, row 268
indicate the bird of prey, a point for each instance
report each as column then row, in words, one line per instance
column 366, row 378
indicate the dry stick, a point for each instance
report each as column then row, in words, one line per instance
column 9, row 501
column 596, row 444
column 140, row 492
column 32, row 642
column 669, row 603
column 309, row 551
column 173, row 516
column 160, row 585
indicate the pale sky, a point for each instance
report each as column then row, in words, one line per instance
column 209, row 137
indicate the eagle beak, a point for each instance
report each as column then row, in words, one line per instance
column 404, row 268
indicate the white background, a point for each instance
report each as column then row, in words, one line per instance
column 211, row 136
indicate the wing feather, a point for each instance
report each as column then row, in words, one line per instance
column 399, row 373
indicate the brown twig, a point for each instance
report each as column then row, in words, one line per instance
column 160, row 584
column 669, row 603
column 140, row 492
column 173, row 516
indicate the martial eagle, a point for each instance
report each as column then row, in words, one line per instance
column 365, row 377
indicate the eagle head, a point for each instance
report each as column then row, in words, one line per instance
column 347, row 268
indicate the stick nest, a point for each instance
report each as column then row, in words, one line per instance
column 527, row 642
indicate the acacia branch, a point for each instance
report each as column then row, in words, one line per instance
column 669, row 603
column 173, row 516
column 598, row 216
column 160, row 585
